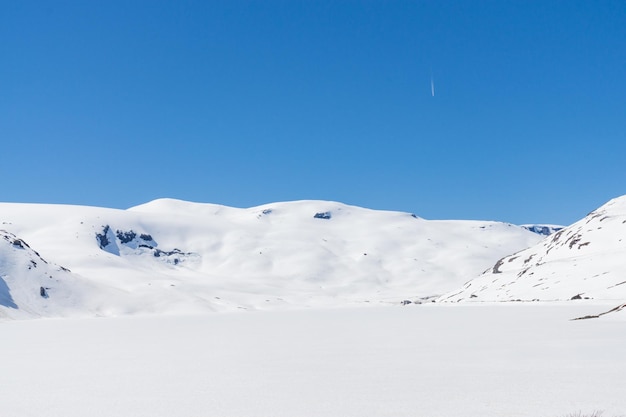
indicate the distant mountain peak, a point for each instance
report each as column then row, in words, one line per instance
column 543, row 229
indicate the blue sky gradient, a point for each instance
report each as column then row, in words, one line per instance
column 115, row 103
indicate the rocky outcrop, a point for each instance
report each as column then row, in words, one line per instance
column 130, row 242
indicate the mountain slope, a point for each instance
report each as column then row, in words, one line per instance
column 176, row 256
column 584, row 260
column 30, row 286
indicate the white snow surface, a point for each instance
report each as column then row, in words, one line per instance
column 324, row 333
column 172, row 256
column 430, row 360
column 584, row 260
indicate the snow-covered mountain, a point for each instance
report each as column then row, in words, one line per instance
column 176, row 256
column 584, row 260
column 543, row 229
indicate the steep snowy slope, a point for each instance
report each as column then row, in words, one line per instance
column 584, row 260
column 30, row 286
column 176, row 256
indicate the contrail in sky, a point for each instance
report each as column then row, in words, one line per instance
column 432, row 85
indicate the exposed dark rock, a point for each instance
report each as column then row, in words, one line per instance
column 126, row 237
column 595, row 316
column 573, row 240
column 134, row 240
column 102, row 239
column 542, row 230
column 528, row 259
column 325, row 215
column 496, row 267
column 158, row 252
column 557, row 236
column 19, row 243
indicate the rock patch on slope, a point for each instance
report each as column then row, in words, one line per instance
column 129, row 242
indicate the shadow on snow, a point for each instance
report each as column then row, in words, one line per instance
column 5, row 295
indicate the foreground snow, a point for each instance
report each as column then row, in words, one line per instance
column 513, row 359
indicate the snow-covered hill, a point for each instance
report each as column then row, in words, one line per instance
column 584, row 260
column 31, row 286
column 27, row 277
column 175, row 256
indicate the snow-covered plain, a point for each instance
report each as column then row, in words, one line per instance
column 431, row 360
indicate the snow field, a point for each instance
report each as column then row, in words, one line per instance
column 488, row 360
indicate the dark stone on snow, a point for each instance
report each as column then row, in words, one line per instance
column 158, row 253
column 102, row 239
column 496, row 267
column 325, row 215
column 126, row 237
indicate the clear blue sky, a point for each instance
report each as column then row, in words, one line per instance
column 115, row 103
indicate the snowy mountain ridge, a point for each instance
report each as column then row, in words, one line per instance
column 584, row 260
column 171, row 256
